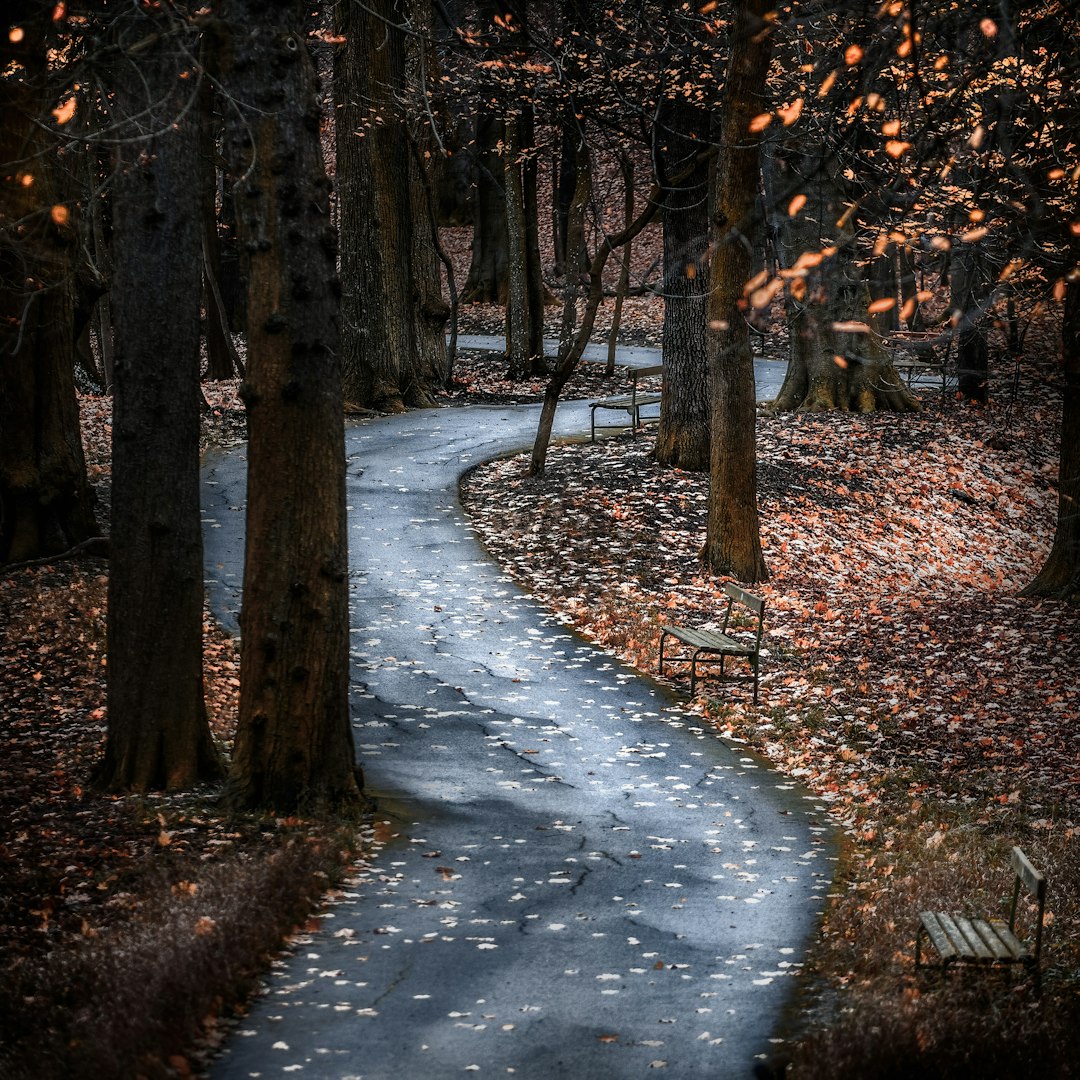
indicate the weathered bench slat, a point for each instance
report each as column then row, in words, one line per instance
column 1017, row 950
column 709, row 639
column 977, row 948
column 938, row 936
column 992, row 940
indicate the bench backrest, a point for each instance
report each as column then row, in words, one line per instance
column 1035, row 883
column 756, row 604
column 645, row 372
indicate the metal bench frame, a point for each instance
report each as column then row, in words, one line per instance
column 713, row 647
column 631, row 403
column 922, row 361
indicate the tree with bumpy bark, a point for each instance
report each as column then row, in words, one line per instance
column 294, row 746
column 158, row 736
column 393, row 352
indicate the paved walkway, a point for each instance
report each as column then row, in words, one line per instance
column 768, row 374
column 572, row 878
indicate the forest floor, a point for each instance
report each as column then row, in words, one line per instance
column 905, row 681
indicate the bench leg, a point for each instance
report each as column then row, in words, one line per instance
column 693, row 670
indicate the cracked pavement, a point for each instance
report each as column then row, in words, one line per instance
column 570, row 875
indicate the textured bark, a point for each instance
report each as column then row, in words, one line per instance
column 733, row 534
column 489, row 268
column 158, row 737
column 392, row 311
column 1060, row 575
column 682, row 440
column 488, row 279
column 525, row 287
column 294, row 746
column 46, row 505
column 622, row 288
column 571, row 344
column 427, row 366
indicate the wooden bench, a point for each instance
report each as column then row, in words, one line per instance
column 989, row 942
column 631, row 403
column 711, row 646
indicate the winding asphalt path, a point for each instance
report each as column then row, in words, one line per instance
column 571, row 878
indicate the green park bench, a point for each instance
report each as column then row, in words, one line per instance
column 984, row 941
column 715, row 646
column 631, row 403
column 922, row 356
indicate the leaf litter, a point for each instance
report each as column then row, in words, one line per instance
column 900, row 658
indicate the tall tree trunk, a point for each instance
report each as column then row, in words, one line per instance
column 46, row 504
column 1060, row 575
column 622, row 289
column 294, row 745
column 525, row 293
column 372, row 162
column 158, row 737
column 826, row 369
column 733, row 535
column 527, row 213
column 488, row 270
column 682, row 439
column 427, row 365
column 389, row 359
column 571, row 344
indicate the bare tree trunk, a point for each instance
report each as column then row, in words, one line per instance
column 425, row 367
column 1060, row 575
column 683, row 439
column 158, row 736
column 970, row 278
column 733, row 534
column 372, row 166
column 488, row 270
column 46, row 504
column 827, row 369
column 571, row 346
column 626, row 167
column 526, row 295
column 294, row 745
column 519, row 340
column 392, row 312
